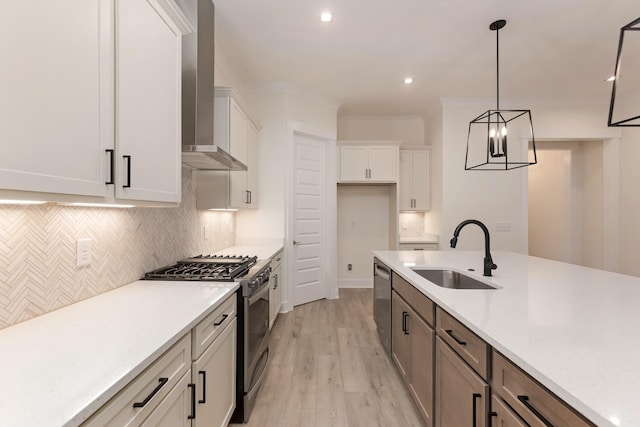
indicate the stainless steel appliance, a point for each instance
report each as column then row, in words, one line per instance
column 382, row 302
column 253, row 315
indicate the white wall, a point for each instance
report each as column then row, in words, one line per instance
column 630, row 201
column 363, row 225
column 501, row 196
column 409, row 130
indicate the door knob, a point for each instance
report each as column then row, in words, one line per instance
column 295, row 242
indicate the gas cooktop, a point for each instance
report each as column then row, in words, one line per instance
column 205, row 267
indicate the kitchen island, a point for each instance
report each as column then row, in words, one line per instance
column 571, row 328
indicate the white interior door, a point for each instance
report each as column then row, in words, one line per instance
column 308, row 221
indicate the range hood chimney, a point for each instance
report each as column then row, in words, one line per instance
column 199, row 150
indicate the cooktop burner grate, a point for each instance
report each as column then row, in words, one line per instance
column 205, row 267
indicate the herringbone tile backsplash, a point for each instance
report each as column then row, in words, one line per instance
column 38, row 270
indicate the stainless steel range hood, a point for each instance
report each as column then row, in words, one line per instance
column 199, row 151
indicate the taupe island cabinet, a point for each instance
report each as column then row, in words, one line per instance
column 548, row 344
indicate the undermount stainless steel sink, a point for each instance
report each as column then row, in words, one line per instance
column 451, row 279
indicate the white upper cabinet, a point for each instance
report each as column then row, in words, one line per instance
column 236, row 129
column 56, row 107
column 364, row 163
column 148, row 101
column 91, row 100
column 415, row 180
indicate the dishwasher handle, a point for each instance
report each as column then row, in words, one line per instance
column 382, row 271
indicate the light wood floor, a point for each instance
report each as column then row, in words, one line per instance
column 328, row 368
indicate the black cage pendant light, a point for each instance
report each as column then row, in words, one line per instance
column 488, row 147
column 624, row 110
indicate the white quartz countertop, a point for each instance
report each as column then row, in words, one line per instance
column 59, row 368
column 263, row 250
column 574, row 329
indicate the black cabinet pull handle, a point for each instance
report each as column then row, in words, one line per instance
column 475, row 396
column 204, row 386
column 111, row 166
column 405, row 329
column 456, row 339
column 146, row 400
column 193, row 402
column 128, row 158
column 224, row 317
column 529, row 406
column 491, row 415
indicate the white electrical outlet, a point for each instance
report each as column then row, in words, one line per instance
column 83, row 252
column 503, row 226
column 206, row 232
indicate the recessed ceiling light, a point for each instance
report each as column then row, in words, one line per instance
column 610, row 79
column 326, row 17
column 408, row 80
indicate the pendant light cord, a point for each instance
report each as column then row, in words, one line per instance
column 498, row 69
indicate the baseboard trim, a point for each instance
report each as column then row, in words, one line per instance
column 355, row 283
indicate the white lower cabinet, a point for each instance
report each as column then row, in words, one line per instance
column 175, row 409
column 214, row 376
column 191, row 384
column 145, row 395
column 275, row 290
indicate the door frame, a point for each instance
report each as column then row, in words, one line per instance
column 610, row 198
column 329, row 229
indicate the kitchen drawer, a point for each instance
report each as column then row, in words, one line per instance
column 534, row 403
column 147, row 390
column 468, row 345
column 208, row 329
column 276, row 260
column 502, row 415
column 420, row 303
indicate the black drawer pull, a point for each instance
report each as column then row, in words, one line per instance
column 475, row 396
column 224, row 317
column 456, row 339
column 111, row 166
column 146, row 400
column 491, row 415
column 193, row 402
column 525, row 402
column 204, row 386
column 405, row 328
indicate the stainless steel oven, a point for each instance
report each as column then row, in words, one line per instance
column 253, row 315
column 253, row 300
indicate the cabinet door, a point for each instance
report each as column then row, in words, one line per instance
column 421, row 366
column 421, row 180
column 275, row 294
column 400, row 338
column 253, row 167
column 56, row 107
column 382, row 164
column 353, row 164
column 405, row 181
column 237, row 131
column 148, row 102
column 214, row 374
column 461, row 395
column 175, row 408
column 503, row 416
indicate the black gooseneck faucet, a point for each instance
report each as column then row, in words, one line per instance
column 488, row 262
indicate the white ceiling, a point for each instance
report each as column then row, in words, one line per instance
column 548, row 49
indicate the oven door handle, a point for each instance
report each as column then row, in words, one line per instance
column 254, row 298
column 256, row 384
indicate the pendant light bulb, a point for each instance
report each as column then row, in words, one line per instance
column 492, row 133
column 504, row 131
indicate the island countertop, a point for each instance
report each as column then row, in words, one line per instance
column 574, row 329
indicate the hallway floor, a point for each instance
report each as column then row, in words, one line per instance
column 328, row 368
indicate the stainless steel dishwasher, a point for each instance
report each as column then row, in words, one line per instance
column 382, row 302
